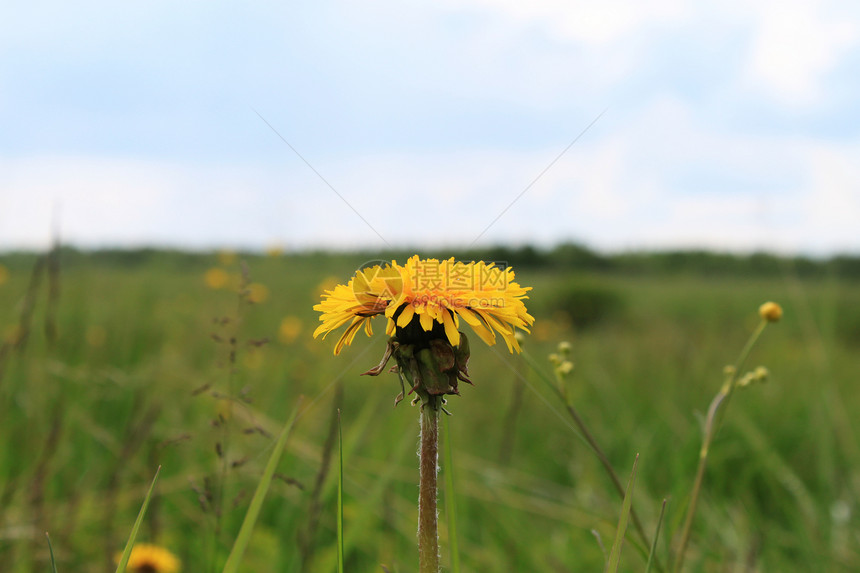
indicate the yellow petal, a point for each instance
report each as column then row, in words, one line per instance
column 426, row 321
column 405, row 316
column 349, row 334
column 478, row 326
column 491, row 320
column 450, row 329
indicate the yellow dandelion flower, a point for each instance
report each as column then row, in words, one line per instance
column 147, row 558
column 226, row 257
column 216, row 278
column 425, row 296
column 258, row 293
column 290, row 329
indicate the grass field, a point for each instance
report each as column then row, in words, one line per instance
column 141, row 361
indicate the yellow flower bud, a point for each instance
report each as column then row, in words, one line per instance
column 565, row 367
column 770, row 311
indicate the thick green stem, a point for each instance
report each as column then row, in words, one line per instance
column 428, row 534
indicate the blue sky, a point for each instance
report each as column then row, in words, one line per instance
column 727, row 125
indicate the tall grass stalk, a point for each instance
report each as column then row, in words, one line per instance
column 25, row 316
column 241, row 543
column 51, row 552
column 626, row 505
column 595, row 448
column 129, row 545
column 307, row 535
column 450, row 498
column 509, row 425
column 716, row 411
column 340, row 556
column 653, row 551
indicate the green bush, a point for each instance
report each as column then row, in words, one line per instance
column 586, row 303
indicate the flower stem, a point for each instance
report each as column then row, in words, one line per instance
column 712, row 424
column 589, row 439
column 428, row 534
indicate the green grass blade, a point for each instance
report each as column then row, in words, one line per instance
column 656, row 536
column 450, row 501
column 51, row 551
column 339, row 495
column 615, row 553
column 123, row 560
column 241, row 543
column 366, row 513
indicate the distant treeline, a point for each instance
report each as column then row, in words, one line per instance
column 568, row 256
column 563, row 257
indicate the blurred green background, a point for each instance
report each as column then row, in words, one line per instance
column 115, row 362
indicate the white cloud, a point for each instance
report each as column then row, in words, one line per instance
column 621, row 190
column 832, row 201
column 673, row 163
column 593, row 23
column 100, row 201
column 787, row 47
column 796, row 43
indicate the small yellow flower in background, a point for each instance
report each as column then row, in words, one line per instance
column 770, row 311
column 325, row 285
column 216, row 278
column 290, row 329
column 4, row 274
column 428, row 295
column 226, row 258
column 95, row 335
column 147, row 558
column 258, row 293
column 275, row 251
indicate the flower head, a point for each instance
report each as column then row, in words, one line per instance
column 770, row 311
column 426, row 298
column 146, row 558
